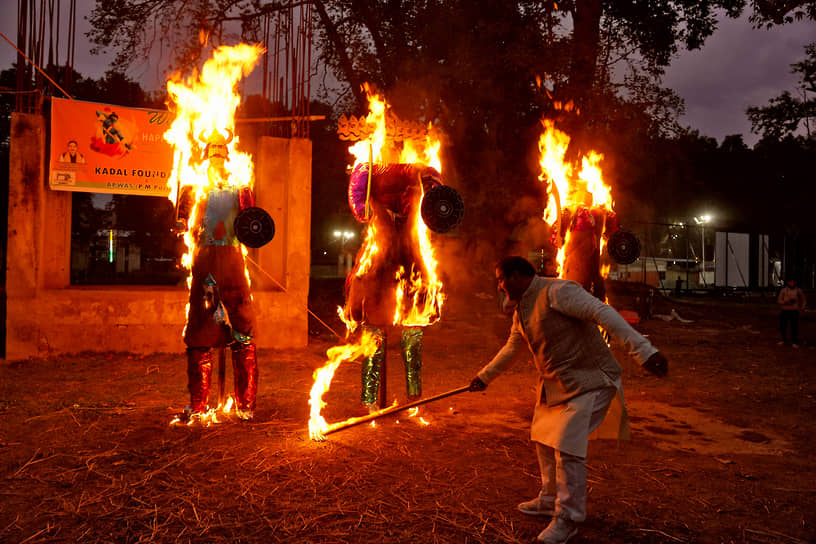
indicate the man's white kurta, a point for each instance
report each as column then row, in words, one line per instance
column 558, row 320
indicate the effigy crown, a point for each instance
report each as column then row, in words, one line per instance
column 357, row 128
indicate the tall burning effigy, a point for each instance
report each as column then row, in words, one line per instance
column 211, row 186
column 581, row 213
column 396, row 189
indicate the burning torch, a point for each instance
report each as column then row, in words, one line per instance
column 396, row 408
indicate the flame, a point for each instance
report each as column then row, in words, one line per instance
column 418, row 293
column 205, row 103
column 414, row 412
column 209, row 417
column 569, row 188
column 366, row 347
column 369, row 249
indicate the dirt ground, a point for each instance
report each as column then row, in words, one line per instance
column 720, row 450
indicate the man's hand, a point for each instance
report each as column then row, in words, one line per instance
column 476, row 384
column 657, row 365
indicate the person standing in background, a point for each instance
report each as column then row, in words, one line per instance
column 791, row 301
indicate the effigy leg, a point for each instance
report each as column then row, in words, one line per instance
column 371, row 369
column 411, row 342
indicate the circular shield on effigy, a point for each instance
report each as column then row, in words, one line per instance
column 254, row 227
column 623, row 247
column 442, row 208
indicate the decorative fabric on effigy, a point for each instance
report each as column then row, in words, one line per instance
column 216, row 214
column 395, row 188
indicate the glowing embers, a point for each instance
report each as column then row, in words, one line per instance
column 395, row 407
column 216, row 415
column 414, row 412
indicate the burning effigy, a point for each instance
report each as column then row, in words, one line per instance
column 395, row 188
column 211, row 187
column 580, row 212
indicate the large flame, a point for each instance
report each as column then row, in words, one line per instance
column 419, row 293
column 202, row 103
column 569, row 188
column 366, row 347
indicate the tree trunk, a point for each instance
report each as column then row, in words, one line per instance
column 586, row 18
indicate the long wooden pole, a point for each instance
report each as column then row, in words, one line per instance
column 391, row 410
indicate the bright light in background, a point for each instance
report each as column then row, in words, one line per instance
column 346, row 234
column 702, row 220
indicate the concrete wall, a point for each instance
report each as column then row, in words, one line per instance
column 46, row 315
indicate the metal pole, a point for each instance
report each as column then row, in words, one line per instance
column 702, row 253
column 685, row 228
column 382, row 392
column 222, row 374
column 34, row 64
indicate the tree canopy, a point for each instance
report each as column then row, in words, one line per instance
column 486, row 71
column 786, row 113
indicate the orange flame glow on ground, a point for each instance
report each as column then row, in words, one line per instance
column 568, row 187
column 209, row 417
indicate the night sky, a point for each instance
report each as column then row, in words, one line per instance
column 738, row 67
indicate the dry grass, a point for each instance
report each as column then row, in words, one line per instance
column 87, row 453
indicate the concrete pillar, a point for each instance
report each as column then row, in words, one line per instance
column 280, row 286
column 25, row 232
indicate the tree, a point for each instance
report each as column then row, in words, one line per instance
column 774, row 12
column 471, row 66
column 786, row 113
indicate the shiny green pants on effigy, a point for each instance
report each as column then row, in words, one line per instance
column 411, row 344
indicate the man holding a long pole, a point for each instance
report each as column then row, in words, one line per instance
column 580, row 383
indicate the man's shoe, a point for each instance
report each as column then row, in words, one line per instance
column 559, row 531
column 538, row 506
